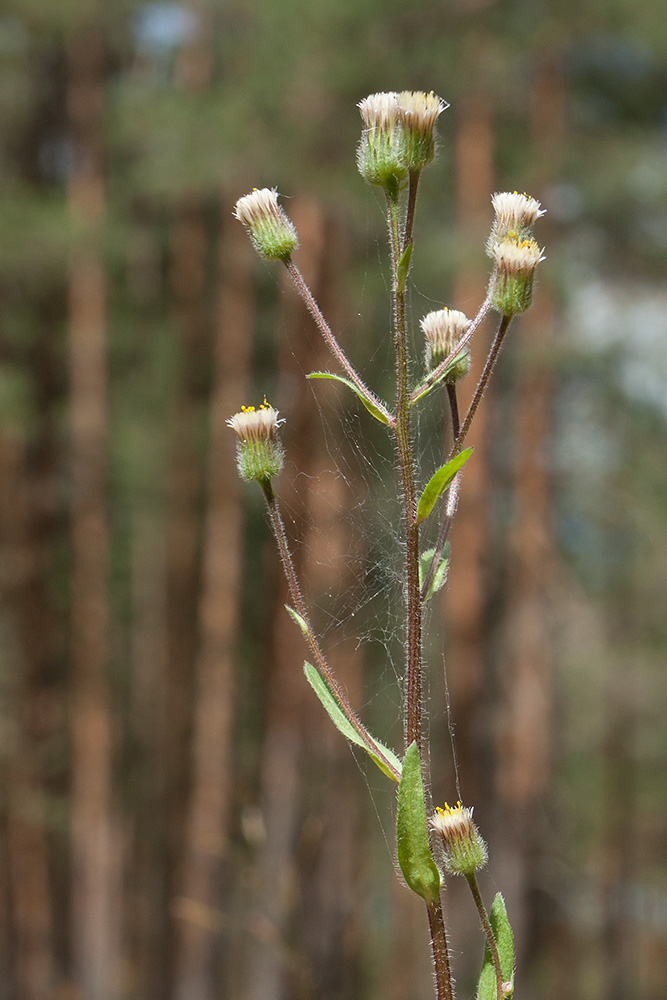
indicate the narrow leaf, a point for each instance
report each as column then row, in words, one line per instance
column 403, row 268
column 429, row 386
column 374, row 410
column 439, row 578
column 342, row 723
column 502, row 932
column 438, row 483
column 299, row 620
column 414, row 850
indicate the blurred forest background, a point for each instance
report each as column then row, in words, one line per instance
column 178, row 818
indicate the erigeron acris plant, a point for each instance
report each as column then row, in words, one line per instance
column 397, row 143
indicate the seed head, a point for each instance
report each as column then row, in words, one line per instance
column 465, row 851
column 512, row 281
column 272, row 233
column 442, row 331
column 260, row 454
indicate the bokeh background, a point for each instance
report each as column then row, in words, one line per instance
column 178, row 818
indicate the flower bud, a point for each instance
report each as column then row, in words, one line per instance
column 272, row 233
column 379, row 152
column 465, row 851
column 512, row 280
column 515, row 214
column 418, row 113
column 442, row 330
column 259, row 455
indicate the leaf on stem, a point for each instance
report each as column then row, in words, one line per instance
column 414, row 850
column 439, row 578
column 374, row 410
column 427, row 386
column 403, row 268
column 502, row 932
column 438, row 483
column 343, row 724
column 301, row 622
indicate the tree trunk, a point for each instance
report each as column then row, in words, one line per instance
column 197, row 910
column 94, row 875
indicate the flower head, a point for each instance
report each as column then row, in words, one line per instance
column 443, row 330
column 516, row 260
column 514, row 213
column 260, row 454
column 465, row 851
column 378, row 153
column 272, row 233
column 418, row 113
column 398, row 136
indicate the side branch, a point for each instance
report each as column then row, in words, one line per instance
column 299, row 603
column 331, row 342
column 438, row 372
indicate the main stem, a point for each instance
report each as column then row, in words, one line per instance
column 413, row 732
column 443, row 971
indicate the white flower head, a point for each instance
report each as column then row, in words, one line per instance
column 260, row 454
column 465, row 851
column 516, row 211
column 443, row 329
column 272, row 232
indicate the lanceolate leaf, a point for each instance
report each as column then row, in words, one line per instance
column 502, row 932
column 341, row 722
column 438, row 483
column 439, row 578
column 374, row 410
column 295, row 616
column 403, row 267
column 414, row 849
column 429, row 386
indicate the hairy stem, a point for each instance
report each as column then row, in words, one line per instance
column 443, row 973
column 296, row 596
column 459, row 438
column 482, row 384
column 437, row 373
column 406, row 462
column 486, row 927
column 331, row 342
column 452, row 493
column 410, row 212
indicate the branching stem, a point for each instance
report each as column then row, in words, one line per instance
column 296, row 597
column 488, row 930
column 437, row 373
column 459, row 438
column 331, row 342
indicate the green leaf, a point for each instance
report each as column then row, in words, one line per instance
column 502, row 932
column 301, row 622
column 403, row 268
column 439, row 578
column 414, row 850
column 374, row 410
column 438, row 483
column 342, row 723
column 429, row 386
